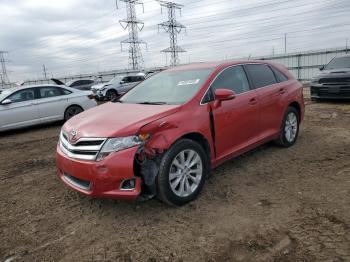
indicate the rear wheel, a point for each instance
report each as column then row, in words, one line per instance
column 290, row 128
column 111, row 95
column 72, row 111
column 182, row 173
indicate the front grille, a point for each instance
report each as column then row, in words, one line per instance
column 341, row 92
column 335, row 81
column 82, row 184
column 83, row 148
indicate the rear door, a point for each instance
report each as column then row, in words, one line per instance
column 52, row 102
column 272, row 95
column 236, row 122
column 21, row 112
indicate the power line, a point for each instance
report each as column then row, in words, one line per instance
column 172, row 27
column 3, row 74
column 134, row 26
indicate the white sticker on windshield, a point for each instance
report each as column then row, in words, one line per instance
column 188, row 82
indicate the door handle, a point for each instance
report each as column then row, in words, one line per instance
column 282, row 91
column 253, row 101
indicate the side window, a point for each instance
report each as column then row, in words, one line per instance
column 233, row 78
column 22, row 95
column 76, row 83
column 50, row 91
column 126, row 79
column 135, row 79
column 279, row 75
column 261, row 75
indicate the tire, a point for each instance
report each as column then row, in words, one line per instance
column 289, row 128
column 111, row 95
column 170, row 173
column 72, row 111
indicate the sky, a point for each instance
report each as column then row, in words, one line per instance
column 83, row 36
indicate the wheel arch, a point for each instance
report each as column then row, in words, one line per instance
column 297, row 106
column 70, row 105
column 202, row 141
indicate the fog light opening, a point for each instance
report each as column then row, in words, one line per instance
column 128, row 184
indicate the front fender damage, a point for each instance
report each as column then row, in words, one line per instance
column 149, row 156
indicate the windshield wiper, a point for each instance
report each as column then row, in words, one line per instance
column 152, row 103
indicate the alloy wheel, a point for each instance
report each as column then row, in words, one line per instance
column 291, row 127
column 185, row 173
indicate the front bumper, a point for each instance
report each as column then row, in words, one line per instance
column 99, row 95
column 100, row 179
column 324, row 91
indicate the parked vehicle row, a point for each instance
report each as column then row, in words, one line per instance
column 164, row 136
column 81, row 84
column 31, row 105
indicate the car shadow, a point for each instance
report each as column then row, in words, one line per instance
column 28, row 129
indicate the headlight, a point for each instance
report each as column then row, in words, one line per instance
column 118, row 144
column 102, row 89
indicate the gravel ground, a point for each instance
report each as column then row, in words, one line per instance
column 271, row 204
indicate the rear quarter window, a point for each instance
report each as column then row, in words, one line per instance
column 261, row 75
column 279, row 75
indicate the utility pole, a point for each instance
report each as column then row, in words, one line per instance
column 44, row 72
column 346, row 46
column 285, row 43
column 173, row 28
column 3, row 73
column 134, row 26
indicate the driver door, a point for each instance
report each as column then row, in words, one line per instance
column 236, row 121
column 21, row 112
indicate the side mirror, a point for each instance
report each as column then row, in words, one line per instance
column 321, row 67
column 122, row 82
column 223, row 95
column 6, row 102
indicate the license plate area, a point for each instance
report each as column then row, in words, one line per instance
column 333, row 89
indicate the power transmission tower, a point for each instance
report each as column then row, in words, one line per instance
column 44, row 71
column 4, row 79
column 173, row 28
column 134, row 26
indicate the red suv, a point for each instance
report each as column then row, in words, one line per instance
column 164, row 136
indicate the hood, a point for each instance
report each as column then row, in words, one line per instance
column 117, row 119
column 337, row 71
column 99, row 86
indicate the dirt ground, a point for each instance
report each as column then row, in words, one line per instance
column 271, row 204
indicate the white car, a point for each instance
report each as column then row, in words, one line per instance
column 31, row 105
column 116, row 87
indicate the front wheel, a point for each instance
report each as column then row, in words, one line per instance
column 289, row 129
column 72, row 111
column 111, row 95
column 182, row 173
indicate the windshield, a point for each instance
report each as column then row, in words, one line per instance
column 339, row 62
column 5, row 93
column 115, row 80
column 168, row 87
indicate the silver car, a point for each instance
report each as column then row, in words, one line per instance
column 118, row 86
column 31, row 105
